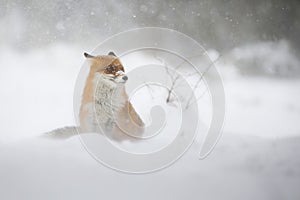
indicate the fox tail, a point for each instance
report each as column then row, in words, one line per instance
column 62, row 133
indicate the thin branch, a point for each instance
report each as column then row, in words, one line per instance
column 200, row 80
column 197, row 99
column 171, row 89
column 173, row 83
column 149, row 88
column 174, row 79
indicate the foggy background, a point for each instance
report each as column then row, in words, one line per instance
column 256, row 48
column 220, row 25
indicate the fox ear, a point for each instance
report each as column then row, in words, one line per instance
column 112, row 54
column 88, row 55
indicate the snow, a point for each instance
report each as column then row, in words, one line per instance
column 256, row 158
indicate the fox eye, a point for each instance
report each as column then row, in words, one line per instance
column 110, row 69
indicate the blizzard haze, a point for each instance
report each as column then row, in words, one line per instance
column 255, row 46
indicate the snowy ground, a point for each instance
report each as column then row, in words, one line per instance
column 256, row 158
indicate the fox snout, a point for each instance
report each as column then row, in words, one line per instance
column 125, row 78
column 120, row 78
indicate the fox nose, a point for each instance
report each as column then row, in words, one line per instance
column 125, row 78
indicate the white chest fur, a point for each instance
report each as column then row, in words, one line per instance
column 108, row 100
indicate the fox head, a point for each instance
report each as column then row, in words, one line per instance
column 109, row 67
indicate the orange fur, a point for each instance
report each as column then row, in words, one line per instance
column 127, row 117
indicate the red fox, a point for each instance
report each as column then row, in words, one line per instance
column 105, row 106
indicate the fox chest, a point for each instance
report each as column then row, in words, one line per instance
column 107, row 105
